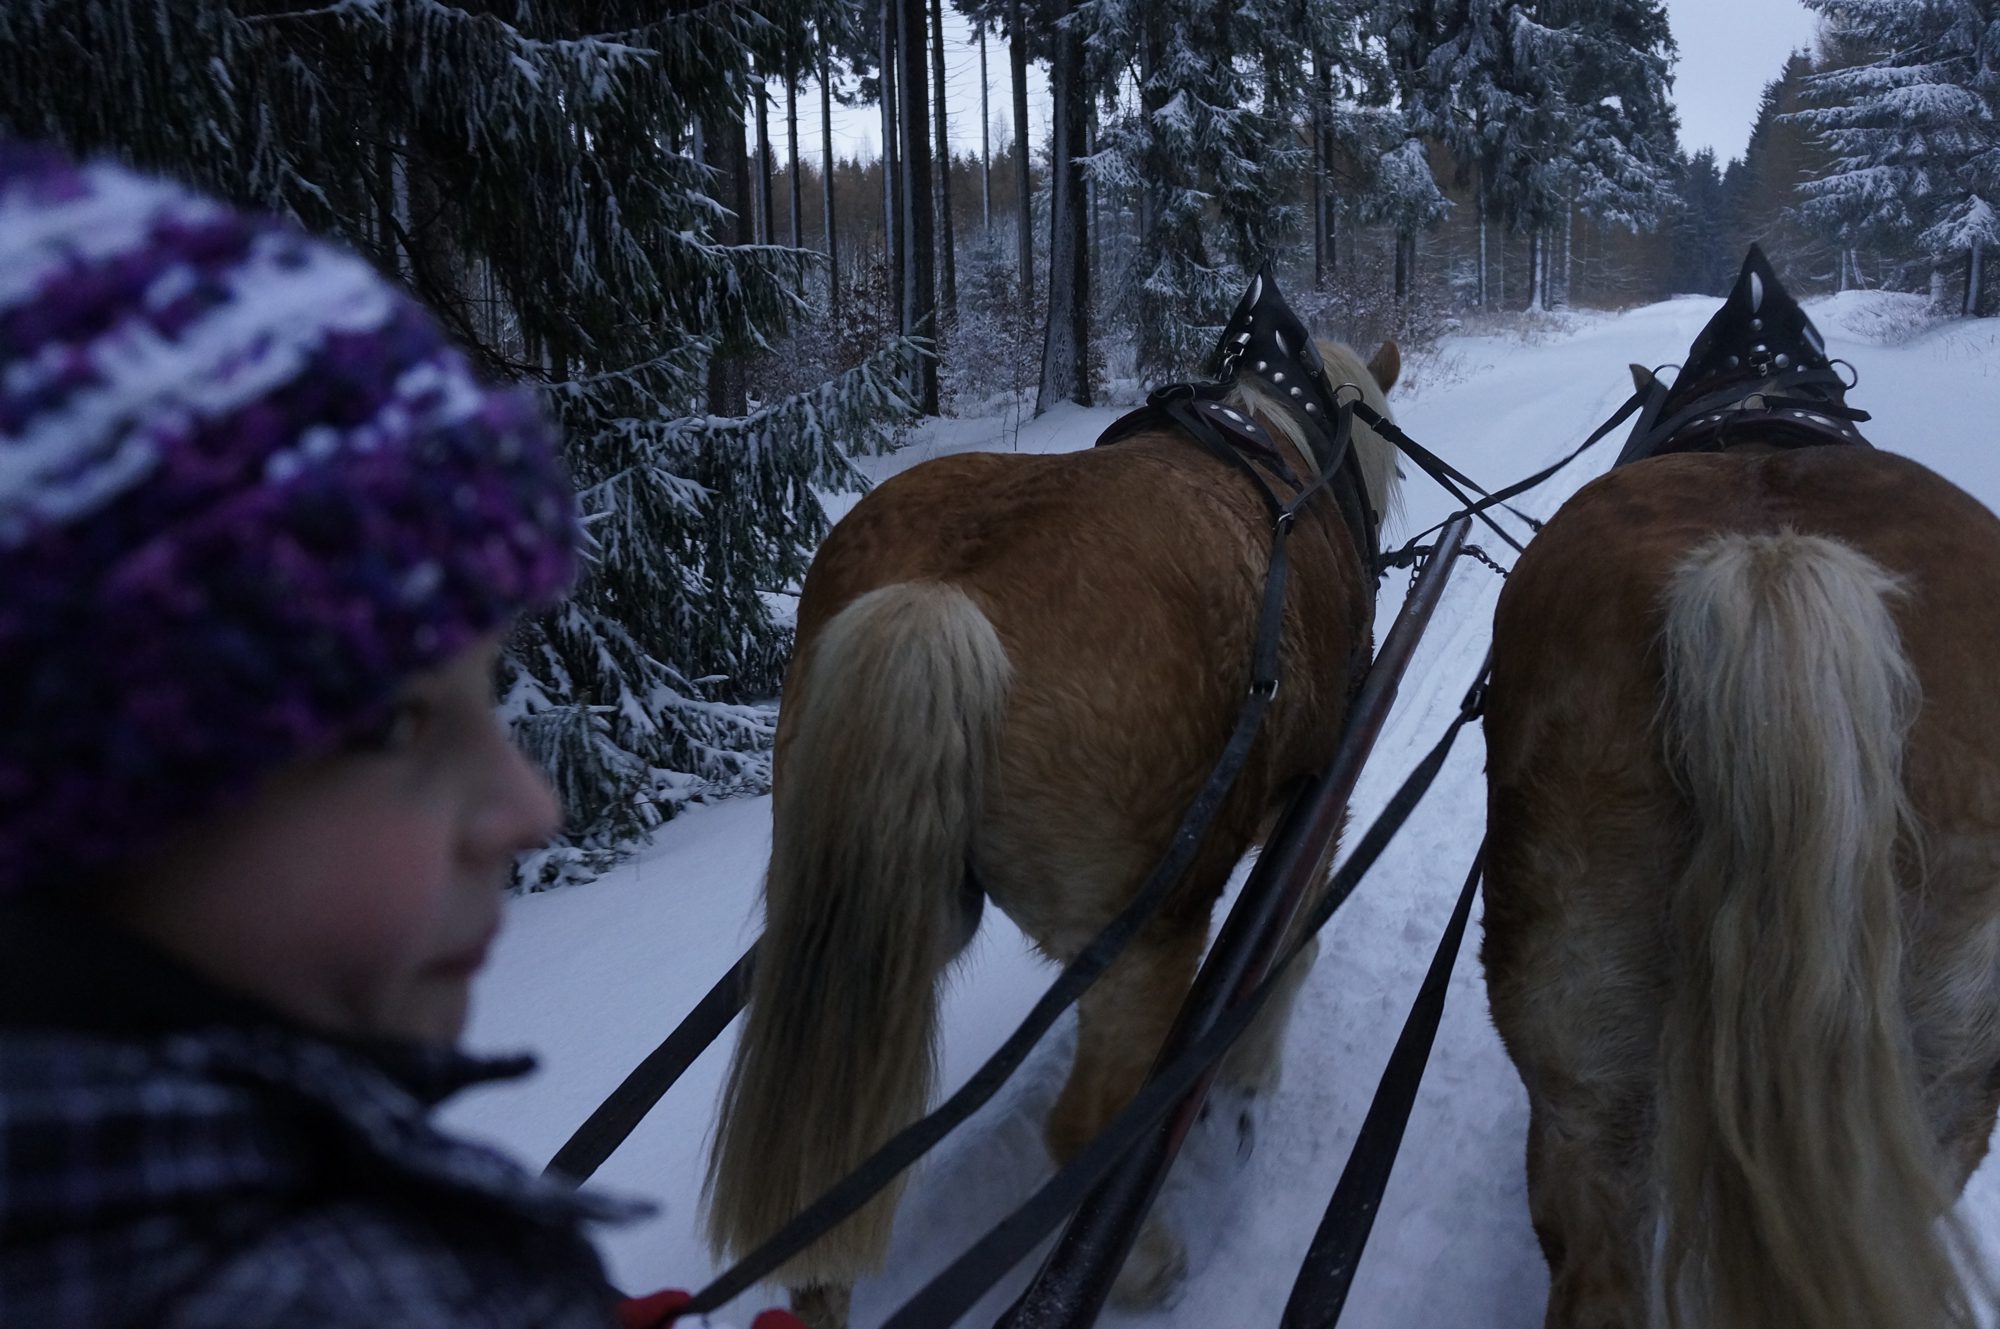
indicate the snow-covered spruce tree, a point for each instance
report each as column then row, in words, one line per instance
column 1765, row 188
column 1405, row 197
column 1347, row 98
column 1619, row 138
column 1189, row 140
column 530, row 169
column 1482, row 78
column 1448, row 62
column 1261, row 182
column 1703, row 229
column 1915, row 131
column 1552, row 104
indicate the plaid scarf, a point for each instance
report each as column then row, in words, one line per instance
column 173, row 1156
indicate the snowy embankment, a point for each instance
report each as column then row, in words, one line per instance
column 591, row 977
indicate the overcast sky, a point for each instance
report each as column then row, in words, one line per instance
column 1729, row 49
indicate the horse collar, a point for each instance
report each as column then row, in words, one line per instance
column 1758, row 371
column 1265, row 337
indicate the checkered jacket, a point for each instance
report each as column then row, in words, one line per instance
column 170, row 1158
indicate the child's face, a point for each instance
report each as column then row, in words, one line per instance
column 360, row 890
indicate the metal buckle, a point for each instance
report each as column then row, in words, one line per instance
column 1265, row 688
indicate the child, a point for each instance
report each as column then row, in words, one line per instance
column 261, row 531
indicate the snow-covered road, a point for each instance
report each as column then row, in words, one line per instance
column 591, row 977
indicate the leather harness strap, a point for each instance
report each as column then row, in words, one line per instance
column 1799, row 409
column 1234, row 436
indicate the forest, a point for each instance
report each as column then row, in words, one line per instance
column 612, row 201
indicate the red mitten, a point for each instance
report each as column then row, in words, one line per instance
column 660, row 1309
column 654, row 1311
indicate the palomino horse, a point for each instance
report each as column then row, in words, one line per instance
column 1013, row 673
column 1743, row 873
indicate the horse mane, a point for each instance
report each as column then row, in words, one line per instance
column 1376, row 455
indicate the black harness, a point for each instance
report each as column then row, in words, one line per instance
column 1202, row 412
column 1266, row 333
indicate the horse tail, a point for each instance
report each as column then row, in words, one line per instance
column 867, row 900
column 1801, row 1183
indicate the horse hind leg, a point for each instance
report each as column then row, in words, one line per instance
column 824, row 1305
column 1122, row 1022
column 1573, row 983
column 1587, row 1195
column 1254, row 1064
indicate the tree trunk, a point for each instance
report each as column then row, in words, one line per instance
column 985, row 143
column 894, row 238
column 826, row 179
column 1322, row 98
column 1535, row 270
column 1970, row 307
column 1066, row 338
column 1332, row 228
column 1017, row 56
column 386, row 225
column 1092, row 217
column 766, row 231
column 1403, row 274
column 1479, row 203
column 919, row 256
column 1569, row 229
column 944, row 227
column 728, row 157
column 792, row 143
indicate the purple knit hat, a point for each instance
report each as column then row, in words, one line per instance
column 246, row 489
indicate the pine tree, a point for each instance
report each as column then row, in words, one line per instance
column 531, row 169
column 1617, row 138
column 1702, row 226
column 1915, row 131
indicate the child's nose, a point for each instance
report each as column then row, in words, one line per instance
column 521, row 811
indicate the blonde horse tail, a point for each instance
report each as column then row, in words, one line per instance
column 866, row 903
column 1800, row 1181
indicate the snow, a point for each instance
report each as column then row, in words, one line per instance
column 592, row 977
